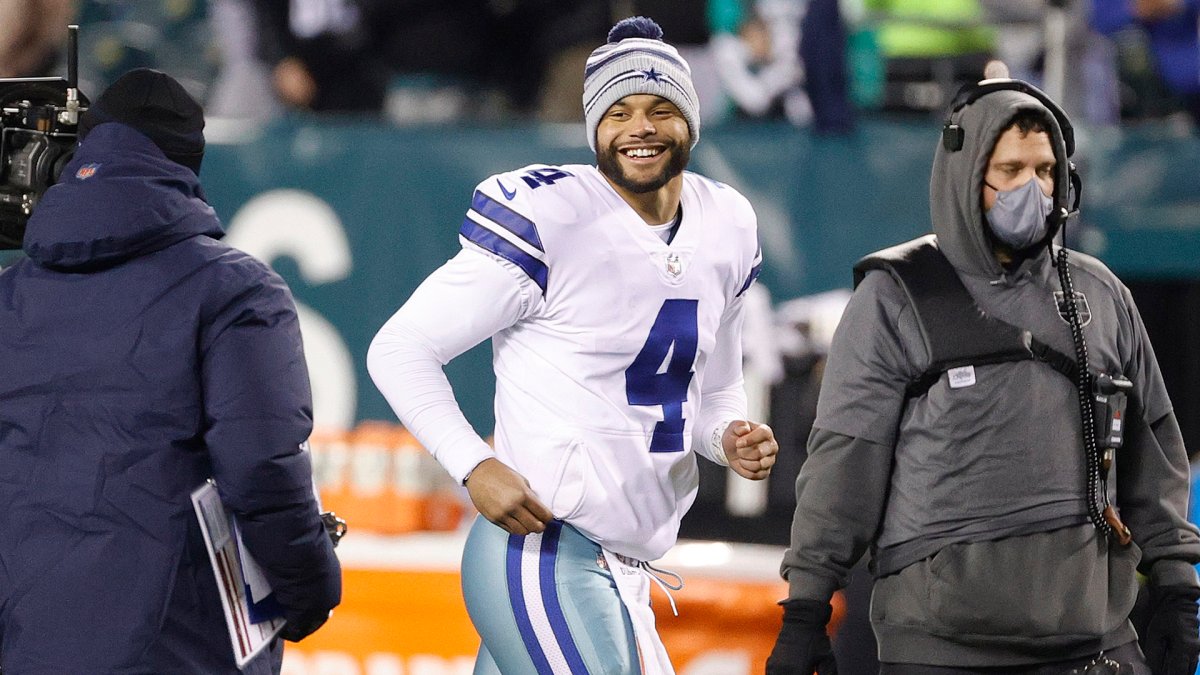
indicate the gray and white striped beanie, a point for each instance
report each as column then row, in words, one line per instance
column 637, row 61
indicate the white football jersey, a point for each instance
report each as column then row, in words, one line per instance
column 598, row 383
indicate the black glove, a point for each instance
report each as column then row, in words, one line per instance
column 802, row 645
column 301, row 626
column 1172, row 639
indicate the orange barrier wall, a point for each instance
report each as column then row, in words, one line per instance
column 402, row 612
column 379, row 479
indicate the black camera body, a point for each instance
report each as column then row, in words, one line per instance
column 39, row 123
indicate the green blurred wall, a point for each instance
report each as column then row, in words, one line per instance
column 354, row 214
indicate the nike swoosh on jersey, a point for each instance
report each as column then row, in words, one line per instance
column 507, row 195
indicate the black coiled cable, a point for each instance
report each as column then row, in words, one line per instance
column 1087, row 411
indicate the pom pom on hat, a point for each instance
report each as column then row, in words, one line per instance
column 636, row 60
column 635, row 27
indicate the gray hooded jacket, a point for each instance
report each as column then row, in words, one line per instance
column 977, row 492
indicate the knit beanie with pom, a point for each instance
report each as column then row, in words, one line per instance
column 637, row 61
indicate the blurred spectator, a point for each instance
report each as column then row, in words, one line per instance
column 325, row 55
column 438, row 50
column 538, row 50
column 1048, row 43
column 824, row 54
column 418, row 59
column 755, row 47
column 32, row 35
column 1172, row 28
column 238, row 88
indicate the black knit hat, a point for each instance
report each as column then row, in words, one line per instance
column 155, row 104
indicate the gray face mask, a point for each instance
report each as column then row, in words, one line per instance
column 1018, row 218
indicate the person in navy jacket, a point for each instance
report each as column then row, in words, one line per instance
column 140, row 356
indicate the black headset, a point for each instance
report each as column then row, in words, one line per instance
column 953, row 133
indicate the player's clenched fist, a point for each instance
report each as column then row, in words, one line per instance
column 504, row 497
column 750, row 448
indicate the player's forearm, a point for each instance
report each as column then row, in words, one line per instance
column 717, row 410
column 723, row 393
column 410, row 376
column 463, row 303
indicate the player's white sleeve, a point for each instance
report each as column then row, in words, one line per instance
column 722, row 396
column 464, row 302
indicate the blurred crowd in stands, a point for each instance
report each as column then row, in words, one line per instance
column 813, row 62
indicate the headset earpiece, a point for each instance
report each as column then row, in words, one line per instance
column 953, row 134
column 952, row 137
column 1074, row 192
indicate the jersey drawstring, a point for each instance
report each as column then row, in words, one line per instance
column 654, row 572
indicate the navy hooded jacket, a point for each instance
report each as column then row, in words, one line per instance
column 140, row 356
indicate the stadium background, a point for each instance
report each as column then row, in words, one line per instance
column 355, row 210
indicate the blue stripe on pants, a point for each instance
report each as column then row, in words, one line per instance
column 579, row 600
column 550, row 599
column 516, row 595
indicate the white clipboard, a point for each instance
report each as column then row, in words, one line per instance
column 251, row 612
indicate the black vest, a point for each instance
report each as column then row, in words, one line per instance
column 956, row 332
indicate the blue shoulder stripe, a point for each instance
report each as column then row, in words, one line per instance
column 507, row 218
column 485, row 238
column 750, row 278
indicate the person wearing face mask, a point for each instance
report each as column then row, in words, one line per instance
column 994, row 431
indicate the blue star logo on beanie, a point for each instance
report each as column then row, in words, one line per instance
column 652, row 75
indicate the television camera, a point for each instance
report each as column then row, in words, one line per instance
column 39, row 122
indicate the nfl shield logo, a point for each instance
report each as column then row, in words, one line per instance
column 86, row 171
column 1081, row 304
column 674, row 265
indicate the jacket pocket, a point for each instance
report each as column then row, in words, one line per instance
column 1067, row 584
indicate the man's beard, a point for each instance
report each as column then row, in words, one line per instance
column 610, row 166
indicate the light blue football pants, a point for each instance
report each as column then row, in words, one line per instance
column 545, row 604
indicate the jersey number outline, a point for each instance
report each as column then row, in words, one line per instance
column 536, row 178
column 673, row 334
